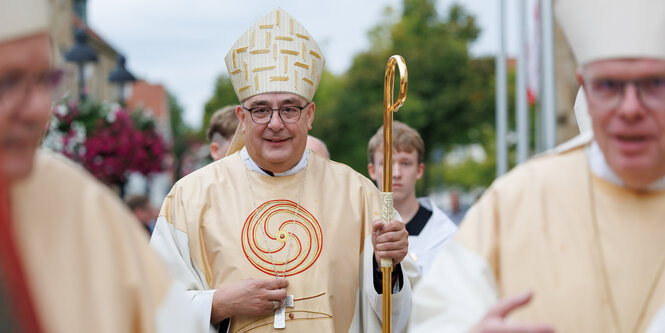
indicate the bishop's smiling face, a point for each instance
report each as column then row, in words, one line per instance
column 276, row 146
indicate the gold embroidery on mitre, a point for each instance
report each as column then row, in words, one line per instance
column 318, row 56
column 259, row 69
column 291, row 52
column 261, row 51
column 303, row 51
column 269, row 70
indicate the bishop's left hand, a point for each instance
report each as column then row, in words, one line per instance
column 390, row 240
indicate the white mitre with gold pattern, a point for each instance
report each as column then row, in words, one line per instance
column 22, row 18
column 613, row 29
column 276, row 54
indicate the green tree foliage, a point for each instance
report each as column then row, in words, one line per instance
column 222, row 96
column 182, row 133
column 470, row 174
column 325, row 100
column 450, row 95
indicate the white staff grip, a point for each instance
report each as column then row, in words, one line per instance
column 387, row 213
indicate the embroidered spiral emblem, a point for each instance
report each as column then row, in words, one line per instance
column 266, row 233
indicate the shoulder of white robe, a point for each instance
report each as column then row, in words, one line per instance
column 439, row 227
column 456, row 292
column 175, row 315
column 172, row 246
column 658, row 322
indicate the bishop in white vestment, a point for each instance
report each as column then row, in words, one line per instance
column 296, row 232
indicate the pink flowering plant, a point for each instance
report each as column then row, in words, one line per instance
column 106, row 139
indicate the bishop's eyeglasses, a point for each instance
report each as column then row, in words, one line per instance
column 15, row 88
column 607, row 93
column 287, row 113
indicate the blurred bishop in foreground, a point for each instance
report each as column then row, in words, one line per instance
column 73, row 258
column 574, row 239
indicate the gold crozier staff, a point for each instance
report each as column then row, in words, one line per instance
column 387, row 195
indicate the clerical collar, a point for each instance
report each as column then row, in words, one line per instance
column 601, row 169
column 250, row 164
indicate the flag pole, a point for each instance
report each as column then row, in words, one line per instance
column 501, row 96
column 387, row 195
column 521, row 101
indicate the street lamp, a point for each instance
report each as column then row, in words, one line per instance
column 81, row 53
column 121, row 75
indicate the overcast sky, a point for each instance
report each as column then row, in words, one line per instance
column 182, row 44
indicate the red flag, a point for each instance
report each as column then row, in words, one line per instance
column 533, row 52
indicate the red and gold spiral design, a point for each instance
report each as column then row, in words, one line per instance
column 265, row 234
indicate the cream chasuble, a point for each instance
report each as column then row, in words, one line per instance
column 225, row 223
column 592, row 253
column 87, row 259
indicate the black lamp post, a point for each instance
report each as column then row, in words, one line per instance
column 81, row 53
column 120, row 75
